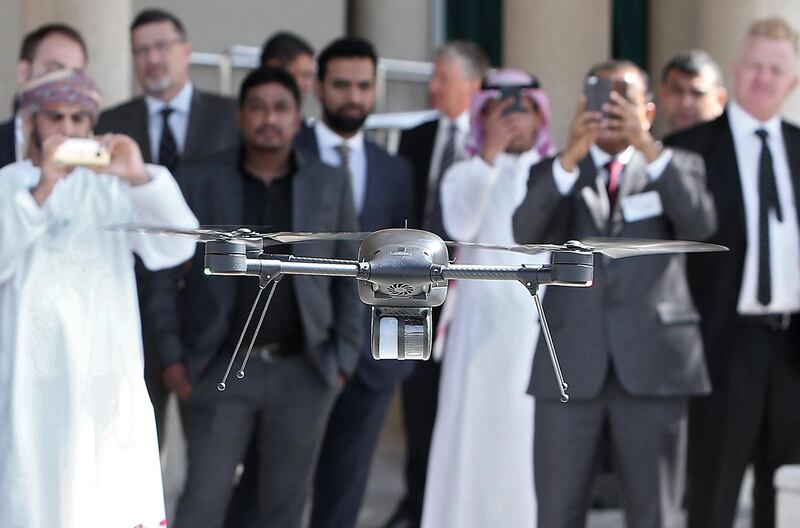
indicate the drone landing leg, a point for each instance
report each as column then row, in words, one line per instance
column 240, row 373
column 262, row 286
column 562, row 385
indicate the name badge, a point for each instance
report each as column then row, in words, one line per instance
column 641, row 206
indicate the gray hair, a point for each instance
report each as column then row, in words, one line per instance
column 472, row 57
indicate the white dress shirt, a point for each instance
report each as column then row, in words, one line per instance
column 462, row 132
column 566, row 180
column 784, row 236
column 178, row 120
column 327, row 141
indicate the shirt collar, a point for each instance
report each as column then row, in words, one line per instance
column 461, row 121
column 745, row 125
column 328, row 138
column 601, row 157
column 181, row 103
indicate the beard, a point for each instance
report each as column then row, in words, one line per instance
column 341, row 123
column 158, row 85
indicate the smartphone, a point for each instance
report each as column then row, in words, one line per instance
column 82, row 151
column 511, row 92
column 598, row 91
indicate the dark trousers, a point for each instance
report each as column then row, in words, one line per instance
column 420, row 397
column 350, row 440
column 752, row 417
column 567, row 439
column 286, row 403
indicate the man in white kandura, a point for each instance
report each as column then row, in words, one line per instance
column 78, row 445
column 479, row 472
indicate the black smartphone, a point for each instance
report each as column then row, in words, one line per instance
column 598, row 91
column 511, row 92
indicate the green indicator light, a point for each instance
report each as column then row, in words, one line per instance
column 207, row 271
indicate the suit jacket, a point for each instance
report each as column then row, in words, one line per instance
column 388, row 203
column 330, row 309
column 716, row 278
column 8, row 143
column 638, row 316
column 416, row 145
column 212, row 125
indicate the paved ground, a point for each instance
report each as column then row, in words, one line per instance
column 385, row 484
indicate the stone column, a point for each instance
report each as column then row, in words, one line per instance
column 558, row 42
column 398, row 30
column 104, row 26
column 717, row 26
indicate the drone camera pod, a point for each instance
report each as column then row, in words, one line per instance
column 399, row 333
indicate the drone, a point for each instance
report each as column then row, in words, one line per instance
column 403, row 273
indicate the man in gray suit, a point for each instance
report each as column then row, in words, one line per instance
column 172, row 122
column 630, row 346
column 310, row 339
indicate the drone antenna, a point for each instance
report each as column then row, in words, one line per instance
column 221, row 384
column 240, row 373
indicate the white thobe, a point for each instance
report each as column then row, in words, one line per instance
column 78, row 446
column 480, row 471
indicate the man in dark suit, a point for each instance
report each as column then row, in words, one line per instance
column 308, row 344
column 172, row 122
column 630, row 346
column 431, row 148
column 749, row 298
column 381, row 192
column 47, row 48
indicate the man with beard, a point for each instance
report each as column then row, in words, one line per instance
column 382, row 194
column 173, row 121
column 310, row 339
column 47, row 48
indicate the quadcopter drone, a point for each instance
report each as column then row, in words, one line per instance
column 404, row 273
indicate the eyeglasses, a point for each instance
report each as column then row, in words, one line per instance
column 161, row 47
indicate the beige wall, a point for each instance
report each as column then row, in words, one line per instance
column 535, row 39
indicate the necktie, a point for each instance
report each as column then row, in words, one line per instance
column 614, row 168
column 344, row 157
column 167, row 148
column 433, row 208
column 767, row 200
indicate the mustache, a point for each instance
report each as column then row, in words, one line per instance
column 351, row 106
column 268, row 128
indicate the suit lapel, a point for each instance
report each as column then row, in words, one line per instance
column 193, row 147
column 371, row 197
column 593, row 194
column 792, row 147
column 141, row 132
column 634, row 179
column 726, row 182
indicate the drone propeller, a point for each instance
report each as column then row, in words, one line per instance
column 249, row 236
column 611, row 247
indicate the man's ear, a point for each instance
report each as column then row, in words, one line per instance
column 23, row 72
column 318, row 88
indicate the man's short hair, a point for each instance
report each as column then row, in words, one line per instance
column 775, row 28
column 619, row 64
column 470, row 54
column 692, row 62
column 345, row 48
column 268, row 75
column 30, row 44
column 284, row 47
column 151, row 16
